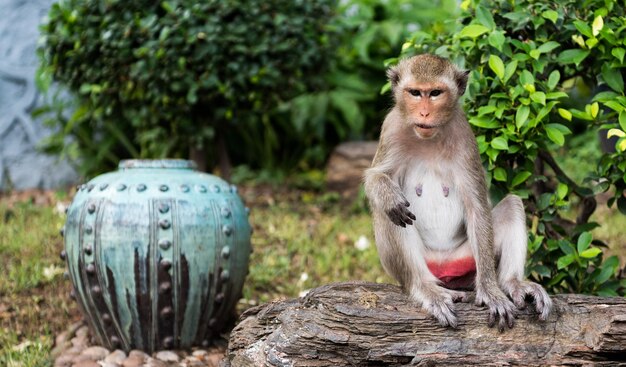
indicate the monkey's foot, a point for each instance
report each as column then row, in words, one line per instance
column 520, row 290
column 501, row 309
column 439, row 302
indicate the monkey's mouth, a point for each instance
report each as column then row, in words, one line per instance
column 423, row 126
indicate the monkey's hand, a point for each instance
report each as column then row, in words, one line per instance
column 439, row 302
column 501, row 309
column 398, row 212
column 520, row 289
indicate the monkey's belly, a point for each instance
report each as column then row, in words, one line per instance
column 455, row 274
column 439, row 213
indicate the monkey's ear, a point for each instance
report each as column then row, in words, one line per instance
column 461, row 80
column 394, row 77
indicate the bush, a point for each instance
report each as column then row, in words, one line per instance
column 351, row 107
column 155, row 79
column 529, row 60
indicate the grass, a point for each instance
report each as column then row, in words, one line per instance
column 301, row 240
column 32, row 288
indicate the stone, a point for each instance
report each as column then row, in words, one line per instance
column 82, row 332
column 96, row 353
column 167, row 356
column 86, row 364
column 152, row 362
column 348, row 161
column 213, row 360
column 133, row 361
column 79, row 341
column 199, row 353
column 75, row 350
column 138, row 353
column 108, row 364
column 117, row 357
column 64, row 360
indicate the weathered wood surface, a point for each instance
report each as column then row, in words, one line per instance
column 367, row 324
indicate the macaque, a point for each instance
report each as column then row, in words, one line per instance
column 435, row 229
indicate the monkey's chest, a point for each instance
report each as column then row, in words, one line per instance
column 438, row 208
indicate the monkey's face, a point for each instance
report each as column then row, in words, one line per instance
column 428, row 107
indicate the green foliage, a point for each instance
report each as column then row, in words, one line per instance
column 156, row 78
column 351, row 107
column 529, row 61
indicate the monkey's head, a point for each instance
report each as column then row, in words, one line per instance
column 426, row 90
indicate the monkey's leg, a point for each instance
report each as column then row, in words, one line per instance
column 401, row 253
column 511, row 244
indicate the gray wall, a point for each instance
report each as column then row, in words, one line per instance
column 21, row 165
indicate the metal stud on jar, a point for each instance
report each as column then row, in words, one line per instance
column 156, row 259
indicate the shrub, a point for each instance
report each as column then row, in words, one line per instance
column 351, row 107
column 529, row 60
column 155, row 79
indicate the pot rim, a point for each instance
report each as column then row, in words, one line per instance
column 157, row 163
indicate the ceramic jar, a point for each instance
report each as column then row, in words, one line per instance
column 157, row 253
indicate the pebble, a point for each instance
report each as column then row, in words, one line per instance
column 167, row 356
column 86, row 364
column 96, row 353
column 151, row 362
column 75, row 348
column 117, row 357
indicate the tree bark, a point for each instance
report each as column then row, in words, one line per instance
column 367, row 324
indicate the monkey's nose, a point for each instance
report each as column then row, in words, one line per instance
column 424, row 114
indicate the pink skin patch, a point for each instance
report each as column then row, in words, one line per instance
column 456, row 274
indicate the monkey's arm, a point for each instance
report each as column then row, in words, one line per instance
column 480, row 236
column 383, row 193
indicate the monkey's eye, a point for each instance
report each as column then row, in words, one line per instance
column 436, row 92
column 415, row 92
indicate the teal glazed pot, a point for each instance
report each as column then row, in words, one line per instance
column 157, row 253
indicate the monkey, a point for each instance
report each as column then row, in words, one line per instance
column 435, row 229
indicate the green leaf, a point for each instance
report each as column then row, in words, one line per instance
column 484, row 122
column 583, row 28
column 590, row 253
column 619, row 53
column 584, row 240
column 572, row 56
column 496, row 64
column 553, row 79
column 520, row 178
column 622, row 120
column 613, row 78
column 565, row 114
column 555, row 135
column 551, row 15
column 499, row 174
column 521, row 116
column 496, row 39
column 535, row 54
column 509, row 70
column 500, row 143
column 548, row 46
column 473, row 30
column 538, row 97
column 564, row 261
column 527, row 78
column 485, row 18
column 561, row 190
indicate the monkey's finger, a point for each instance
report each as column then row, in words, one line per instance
column 410, row 215
column 501, row 323
column 492, row 317
column 510, row 318
column 406, row 203
column 458, row 296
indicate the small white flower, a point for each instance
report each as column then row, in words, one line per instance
column 304, row 277
column 362, row 243
column 52, row 271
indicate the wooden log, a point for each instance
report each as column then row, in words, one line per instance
column 367, row 324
